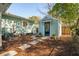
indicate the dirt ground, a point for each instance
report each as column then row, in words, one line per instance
column 47, row 47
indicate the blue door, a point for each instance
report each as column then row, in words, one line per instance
column 47, row 28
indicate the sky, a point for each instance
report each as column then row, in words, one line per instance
column 28, row 9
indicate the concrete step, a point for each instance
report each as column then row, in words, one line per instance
column 9, row 53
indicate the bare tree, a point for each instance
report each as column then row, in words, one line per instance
column 48, row 7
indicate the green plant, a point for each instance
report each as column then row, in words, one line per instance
column 40, row 34
column 53, row 36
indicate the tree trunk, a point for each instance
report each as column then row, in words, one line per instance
column 0, row 33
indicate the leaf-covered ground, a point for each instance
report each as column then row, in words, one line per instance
column 47, row 47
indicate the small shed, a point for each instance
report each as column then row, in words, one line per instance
column 50, row 26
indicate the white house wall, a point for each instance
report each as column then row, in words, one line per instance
column 18, row 27
column 7, row 24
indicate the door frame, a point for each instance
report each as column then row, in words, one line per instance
column 49, row 29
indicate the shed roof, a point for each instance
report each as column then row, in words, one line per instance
column 49, row 18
